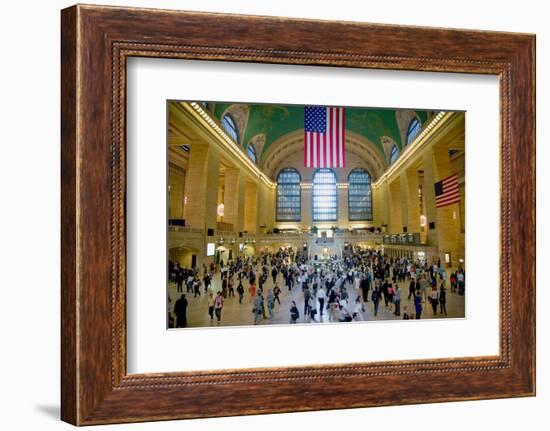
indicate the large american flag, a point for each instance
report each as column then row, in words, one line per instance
column 447, row 191
column 324, row 137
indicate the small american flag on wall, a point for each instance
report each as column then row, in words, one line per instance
column 447, row 191
column 324, row 137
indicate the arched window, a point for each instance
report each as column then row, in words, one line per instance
column 413, row 130
column 251, row 151
column 359, row 195
column 324, row 196
column 394, row 154
column 288, row 195
column 230, row 127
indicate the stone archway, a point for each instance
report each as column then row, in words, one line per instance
column 288, row 151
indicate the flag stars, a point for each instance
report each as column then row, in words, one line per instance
column 324, row 137
column 315, row 119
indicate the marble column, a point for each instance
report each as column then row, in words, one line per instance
column 234, row 198
column 396, row 216
column 201, row 187
column 306, row 204
column 428, row 191
column 251, row 207
column 410, row 199
column 380, row 205
column 176, row 191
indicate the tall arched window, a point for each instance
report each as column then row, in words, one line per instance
column 230, row 127
column 394, row 154
column 325, row 199
column 288, row 195
column 251, row 151
column 359, row 195
column 413, row 130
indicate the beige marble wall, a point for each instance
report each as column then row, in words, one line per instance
column 410, row 200
column 251, row 207
column 201, row 187
column 396, row 214
column 176, row 189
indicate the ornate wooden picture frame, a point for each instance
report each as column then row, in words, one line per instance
column 96, row 42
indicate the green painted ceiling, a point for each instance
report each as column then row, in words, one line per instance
column 276, row 121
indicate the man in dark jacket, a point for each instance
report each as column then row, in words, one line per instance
column 274, row 274
column 375, row 298
column 364, row 285
column 180, row 310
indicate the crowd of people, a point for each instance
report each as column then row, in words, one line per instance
column 334, row 290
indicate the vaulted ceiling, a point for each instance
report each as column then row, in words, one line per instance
column 267, row 123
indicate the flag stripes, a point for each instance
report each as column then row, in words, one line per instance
column 447, row 191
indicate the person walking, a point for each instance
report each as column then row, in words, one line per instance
column 375, row 298
column 288, row 281
column 412, row 286
column 390, row 294
column 211, row 301
column 358, row 309
column 443, row 299
column 240, row 291
column 179, row 280
column 460, row 277
column 252, row 290
column 224, row 286
column 180, row 310
column 294, row 313
column 423, row 284
column 384, row 291
column 274, row 274
column 321, row 295
column 258, row 308
column 190, row 280
column 312, row 308
column 307, row 294
column 270, row 303
column 418, row 303
column 218, row 305
column 276, row 293
column 196, row 287
column 364, row 286
column 230, row 286
column 453, row 282
column 434, row 299
column 207, row 280
column 397, row 301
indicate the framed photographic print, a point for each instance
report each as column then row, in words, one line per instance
column 254, row 209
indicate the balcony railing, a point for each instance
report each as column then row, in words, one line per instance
column 231, row 236
column 324, row 240
column 184, row 229
column 403, row 239
column 222, row 226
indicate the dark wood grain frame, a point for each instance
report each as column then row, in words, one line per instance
column 95, row 44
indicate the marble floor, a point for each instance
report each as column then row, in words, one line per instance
column 235, row 314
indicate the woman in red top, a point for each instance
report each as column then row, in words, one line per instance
column 252, row 290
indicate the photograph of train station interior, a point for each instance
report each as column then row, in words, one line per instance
column 298, row 214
